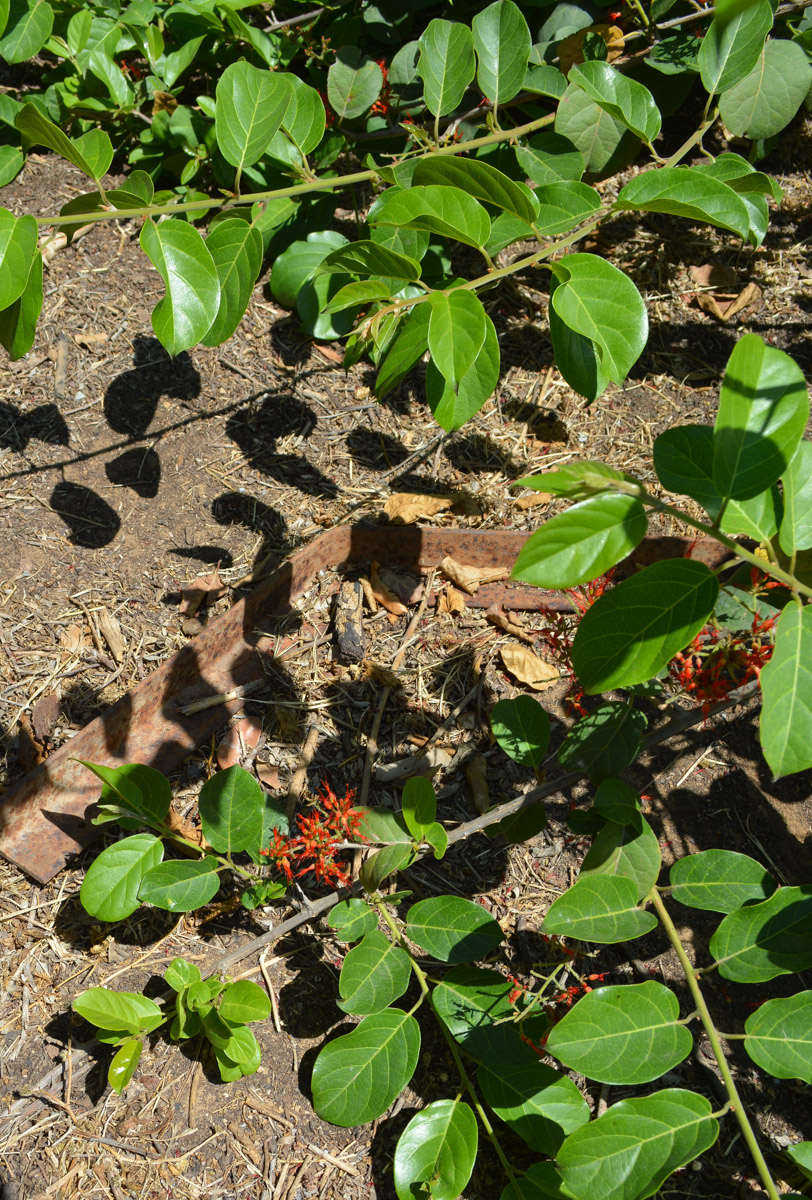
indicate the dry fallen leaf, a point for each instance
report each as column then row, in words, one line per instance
column 72, row 638
column 90, row 339
column 469, row 578
column 571, row 49
column 528, row 668
column 379, row 674
column 450, row 600
column 369, row 595
column 496, row 616
column 385, row 596
column 714, row 275
column 408, row 507
column 30, row 752
column 269, row 775
column 724, row 307
column 186, row 828
column 111, row 632
column 202, row 593
column 44, row 716
column 476, row 772
column 531, row 499
column 243, row 735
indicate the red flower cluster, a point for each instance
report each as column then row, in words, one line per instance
column 333, row 822
column 715, row 663
column 560, row 629
column 381, row 105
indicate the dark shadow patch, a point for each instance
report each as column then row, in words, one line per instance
column 256, row 430
column 132, row 397
column 91, row 520
column 136, row 469
column 376, row 450
column 475, row 452
column 210, row 555
column 44, row 423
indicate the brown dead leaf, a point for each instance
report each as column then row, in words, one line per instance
column 470, row 578
column 498, row 617
column 714, row 275
column 111, row 632
column 476, row 772
column 163, row 102
column 725, row 306
column 571, row 49
column 450, row 600
column 97, row 338
column 71, row 638
column 44, row 716
column 378, row 674
column 243, row 736
column 330, row 354
column 531, row 499
column 30, row 752
column 202, row 593
column 385, row 596
column 527, row 667
column 268, row 775
column 369, row 595
column 407, row 507
column 186, row 828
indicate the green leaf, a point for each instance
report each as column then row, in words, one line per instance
column 473, row 1004
column 622, row 1035
column 628, row 1152
column 437, row 1149
column 354, row 294
column 18, row 245
column 522, row 728
column 96, row 149
column 12, row 161
column 759, row 942
column 623, row 98
column 181, row 974
column 250, row 107
column 351, row 919
column 549, row 158
column 599, row 909
column 27, row 29
column 538, row 1103
column 541, row 1181
column 236, row 249
column 576, row 356
column 141, row 791
column 298, row 263
column 456, row 332
column 731, row 48
column 576, row 481
column 786, row 692
column 419, row 805
column 767, row 99
column 544, row 79
column 243, row 1049
column 373, row 974
column 452, row 407
column 632, row 631
column 386, row 862
column 125, row 1060
column 370, row 258
column 18, row 322
column 801, row 1156
column 617, row 801
column 763, row 411
column 452, row 929
column 686, row 192
column 107, row 1009
column 244, row 1001
column 192, row 300
column 304, row 119
column 232, row 805
column 436, row 837
column 502, row 42
column 796, row 526
column 719, row 880
column 506, row 230
column 354, row 83
column 605, row 741
column 480, row 180
column 604, row 142
column 181, row 886
column 446, row 65
column 110, row 888
column 626, row 850
column 447, row 211
column 40, row 131
column 383, row 825
column 407, row 348
column 564, row 205
column 595, row 299
column 585, row 541
column 779, row 1037
column 357, row 1076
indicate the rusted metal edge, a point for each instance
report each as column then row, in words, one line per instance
column 45, row 818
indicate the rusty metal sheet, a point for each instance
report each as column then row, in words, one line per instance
column 45, row 818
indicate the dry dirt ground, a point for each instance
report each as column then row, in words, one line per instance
column 129, row 476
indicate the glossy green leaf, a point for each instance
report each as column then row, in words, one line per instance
column 597, row 301
column 192, row 300
column 630, row 851
column 564, row 205
column 480, row 180
column 354, row 83
column 124, row 1063
column 110, row 887
column 576, row 356
column 304, row 120
column 446, row 64
column 40, row 131
column 18, row 322
column 617, row 801
column 763, row 411
column 452, row 929
column 544, row 79
column 786, row 692
column 181, row 974
column 585, row 541
column 550, row 158
column 136, row 789
column 502, row 42
column 383, row 825
column 406, row 349
column 731, row 48
column 351, row 919
column 632, row 631
column 451, row 406
column 605, row 143
column 374, row 974
column 419, row 805
column 456, row 332
column 796, row 526
column 759, row 942
column 384, row 863
column 801, row 1156
column 236, row 249
column 354, row 294
column 181, row 886
column 298, row 263
column 522, row 728
column 629, row 1151
column 369, row 258
column 107, row 1009
column 473, row 1004
column 779, row 1037
column 250, row 107
column 599, row 909
column 767, row 99
column 243, row 1049
column 605, row 741
column 447, row 211
column 541, row 1181
column 243, row 1002
column 357, row 1076
column 437, row 1150
column 719, row 881
column 436, row 837
column 231, row 806
column 623, row 98
column 538, row 1103
column 12, row 161
column 685, row 192
column 506, row 230
column 27, row 29
column 576, row 480
column 622, row 1035
column 96, row 149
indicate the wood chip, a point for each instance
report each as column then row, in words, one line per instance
column 476, row 772
column 379, row 674
column 110, row 630
column 427, row 764
column 348, row 614
column 30, row 751
column 71, row 638
column 528, row 668
column 44, row 716
column 369, row 595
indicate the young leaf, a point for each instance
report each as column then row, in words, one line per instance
column 576, row 481
column 243, row 1002
column 179, row 254
column 719, row 881
column 236, row 249
column 687, row 193
column 446, row 64
column 538, row 1103
column 632, row 631
column 633, row 852
column 453, row 929
column 141, row 790
column 39, row 130
column 383, row 825
column 107, row 1009
column 779, row 1037
column 763, row 411
column 181, row 974
column 730, row 49
column 250, row 107
column 383, row 864
column 456, row 333
column 370, row 258
column 451, row 406
column 110, row 888
column 596, row 300
column 354, row 83
column 624, row 99
column 564, row 205
column 125, row 1060
column 599, row 909
column 354, row 294
column 243, row 1049
column 796, row 526
column 447, row 211
column 585, row 541
column 628, row 1152
column 522, row 729
column 437, row 1148
column 18, row 245
column 760, row 941
column 605, row 741
column 18, row 322
column 786, row 690
column 181, row 886
column 351, row 919
column 481, row 180
column 374, row 974
column 767, row 99
column 232, row 807
column 502, row 42
column 436, row 837
column 357, row 1076
column 419, row 806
